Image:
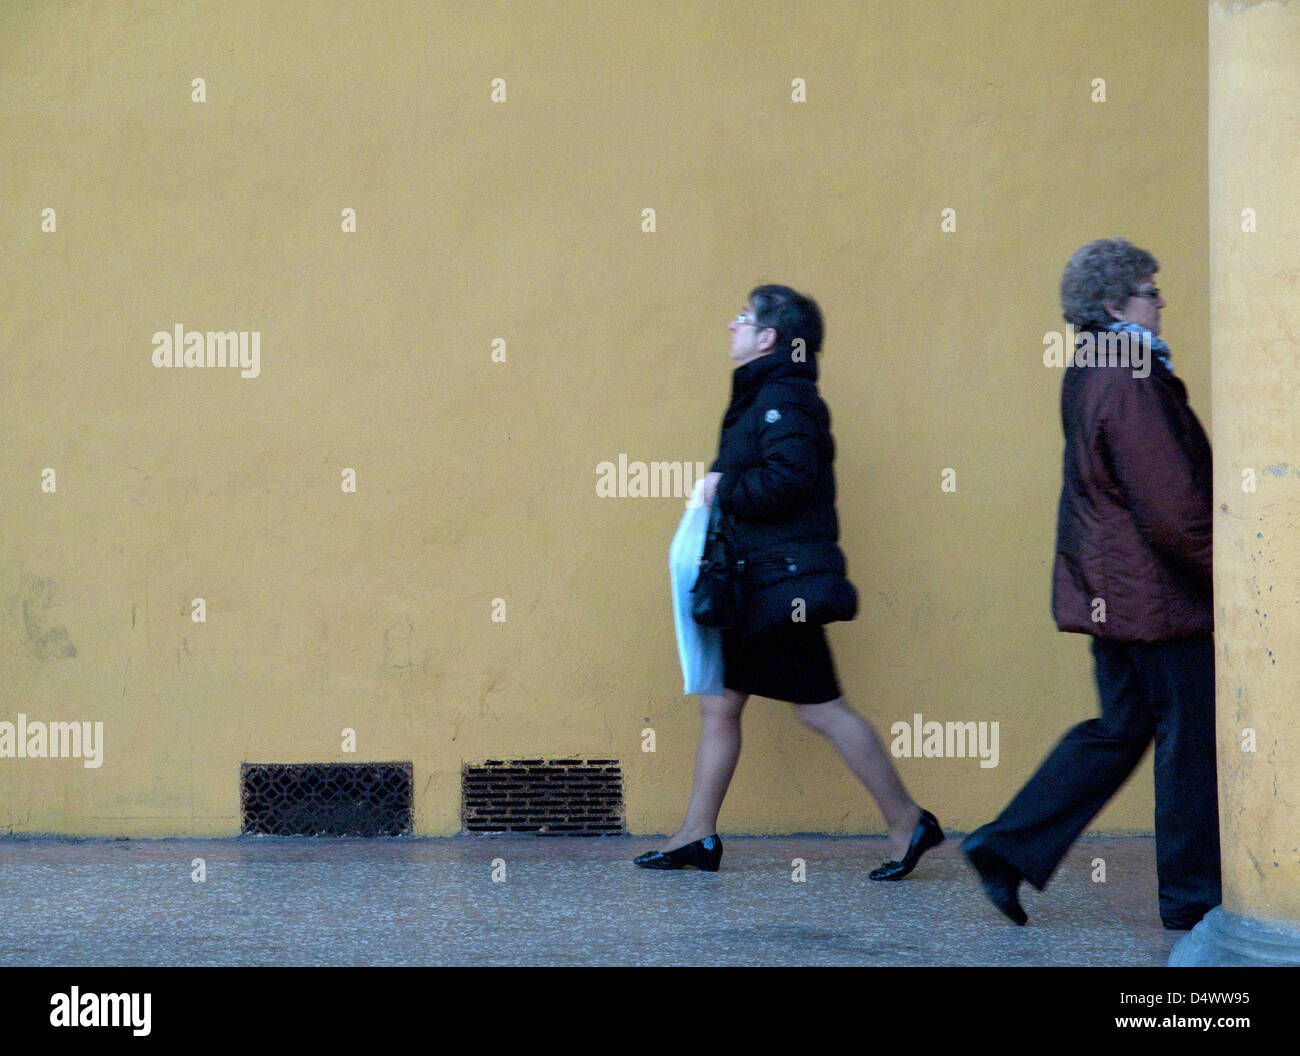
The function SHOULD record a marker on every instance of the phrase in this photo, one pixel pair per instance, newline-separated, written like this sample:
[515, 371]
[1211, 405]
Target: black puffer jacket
[778, 486]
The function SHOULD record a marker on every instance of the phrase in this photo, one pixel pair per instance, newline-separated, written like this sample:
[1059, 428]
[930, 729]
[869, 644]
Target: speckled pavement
[563, 901]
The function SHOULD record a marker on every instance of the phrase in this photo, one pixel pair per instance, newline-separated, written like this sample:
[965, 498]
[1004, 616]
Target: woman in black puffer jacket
[773, 479]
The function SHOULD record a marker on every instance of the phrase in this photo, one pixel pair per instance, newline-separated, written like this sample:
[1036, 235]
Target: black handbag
[718, 597]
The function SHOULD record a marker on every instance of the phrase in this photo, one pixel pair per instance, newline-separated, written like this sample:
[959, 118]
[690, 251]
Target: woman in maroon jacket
[1133, 548]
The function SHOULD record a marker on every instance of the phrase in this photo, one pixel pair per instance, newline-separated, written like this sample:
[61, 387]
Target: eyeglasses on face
[743, 319]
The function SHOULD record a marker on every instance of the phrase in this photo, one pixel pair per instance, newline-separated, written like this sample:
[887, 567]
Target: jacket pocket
[806, 585]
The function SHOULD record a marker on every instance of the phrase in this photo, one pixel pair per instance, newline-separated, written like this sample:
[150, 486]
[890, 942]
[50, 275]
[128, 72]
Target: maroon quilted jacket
[1134, 525]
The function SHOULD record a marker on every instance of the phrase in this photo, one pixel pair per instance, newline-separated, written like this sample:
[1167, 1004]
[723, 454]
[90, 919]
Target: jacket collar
[769, 367]
[747, 379]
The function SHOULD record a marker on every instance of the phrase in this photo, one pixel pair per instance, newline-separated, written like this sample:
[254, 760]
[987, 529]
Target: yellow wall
[476, 480]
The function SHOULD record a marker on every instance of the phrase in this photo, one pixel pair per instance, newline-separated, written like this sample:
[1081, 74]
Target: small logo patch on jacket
[773, 415]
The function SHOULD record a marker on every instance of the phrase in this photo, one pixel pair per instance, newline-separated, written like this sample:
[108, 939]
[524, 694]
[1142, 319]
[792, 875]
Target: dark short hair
[1107, 270]
[791, 314]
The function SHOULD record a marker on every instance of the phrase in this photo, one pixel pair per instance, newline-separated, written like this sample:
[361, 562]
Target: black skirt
[792, 663]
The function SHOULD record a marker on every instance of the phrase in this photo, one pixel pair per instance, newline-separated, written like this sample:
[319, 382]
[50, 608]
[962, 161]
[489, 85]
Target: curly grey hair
[1107, 270]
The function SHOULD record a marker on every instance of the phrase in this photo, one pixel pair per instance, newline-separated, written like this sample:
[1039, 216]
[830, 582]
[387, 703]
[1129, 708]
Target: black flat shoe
[1001, 882]
[703, 854]
[927, 834]
[1185, 921]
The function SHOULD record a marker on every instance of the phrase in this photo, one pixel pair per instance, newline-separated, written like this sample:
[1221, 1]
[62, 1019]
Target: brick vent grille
[562, 797]
[326, 799]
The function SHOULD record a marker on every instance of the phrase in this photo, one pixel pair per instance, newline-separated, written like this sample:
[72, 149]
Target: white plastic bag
[698, 647]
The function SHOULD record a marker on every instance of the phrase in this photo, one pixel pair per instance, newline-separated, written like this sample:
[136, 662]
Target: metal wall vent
[326, 799]
[562, 797]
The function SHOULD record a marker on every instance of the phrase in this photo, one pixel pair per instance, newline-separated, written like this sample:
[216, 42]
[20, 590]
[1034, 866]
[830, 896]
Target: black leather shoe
[703, 854]
[927, 834]
[1001, 882]
[1186, 920]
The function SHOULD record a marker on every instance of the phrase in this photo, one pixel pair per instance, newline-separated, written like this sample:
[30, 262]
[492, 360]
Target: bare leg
[715, 762]
[857, 741]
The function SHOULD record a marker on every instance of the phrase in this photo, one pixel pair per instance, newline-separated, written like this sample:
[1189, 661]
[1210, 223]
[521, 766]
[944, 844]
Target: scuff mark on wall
[46, 642]
[397, 644]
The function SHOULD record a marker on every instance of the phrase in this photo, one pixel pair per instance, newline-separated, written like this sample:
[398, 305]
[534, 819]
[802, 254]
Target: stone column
[1254, 155]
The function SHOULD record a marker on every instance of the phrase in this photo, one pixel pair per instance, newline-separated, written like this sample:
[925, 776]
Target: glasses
[743, 319]
[1152, 294]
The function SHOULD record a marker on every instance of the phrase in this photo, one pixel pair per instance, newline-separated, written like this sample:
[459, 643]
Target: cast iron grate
[326, 799]
[562, 797]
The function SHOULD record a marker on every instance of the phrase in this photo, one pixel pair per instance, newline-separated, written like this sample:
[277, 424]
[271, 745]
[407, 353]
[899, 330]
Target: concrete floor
[564, 901]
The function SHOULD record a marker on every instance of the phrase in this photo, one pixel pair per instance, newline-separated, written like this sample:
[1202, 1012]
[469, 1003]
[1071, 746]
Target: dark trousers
[1160, 689]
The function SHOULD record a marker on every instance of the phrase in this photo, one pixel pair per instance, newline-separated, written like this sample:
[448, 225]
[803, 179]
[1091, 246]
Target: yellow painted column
[1254, 155]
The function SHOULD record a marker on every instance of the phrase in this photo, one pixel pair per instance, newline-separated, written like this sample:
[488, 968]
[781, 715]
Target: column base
[1227, 940]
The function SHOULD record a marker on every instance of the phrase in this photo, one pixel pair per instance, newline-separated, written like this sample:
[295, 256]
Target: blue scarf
[1161, 349]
